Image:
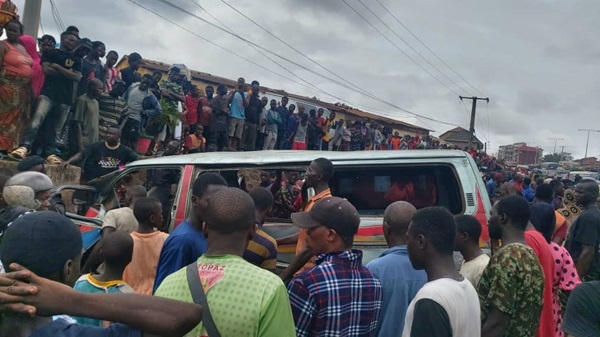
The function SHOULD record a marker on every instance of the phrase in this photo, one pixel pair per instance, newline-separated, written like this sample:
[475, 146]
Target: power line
[399, 49]
[292, 47]
[258, 50]
[288, 60]
[306, 56]
[56, 15]
[308, 84]
[478, 120]
[487, 112]
[382, 113]
[409, 46]
[429, 49]
[480, 125]
[213, 43]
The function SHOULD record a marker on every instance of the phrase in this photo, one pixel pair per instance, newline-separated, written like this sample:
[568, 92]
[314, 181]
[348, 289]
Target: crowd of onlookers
[60, 99]
[214, 274]
[219, 266]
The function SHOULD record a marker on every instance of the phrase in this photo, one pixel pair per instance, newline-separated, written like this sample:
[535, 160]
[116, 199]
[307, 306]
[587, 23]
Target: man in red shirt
[396, 141]
[191, 103]
[518, 182]
[205, 110]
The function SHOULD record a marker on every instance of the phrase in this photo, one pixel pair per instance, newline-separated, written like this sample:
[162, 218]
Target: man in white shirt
[468, 230]
[448, 304]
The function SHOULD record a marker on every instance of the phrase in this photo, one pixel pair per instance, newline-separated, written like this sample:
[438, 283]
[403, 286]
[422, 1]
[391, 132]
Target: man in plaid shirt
[338, 296]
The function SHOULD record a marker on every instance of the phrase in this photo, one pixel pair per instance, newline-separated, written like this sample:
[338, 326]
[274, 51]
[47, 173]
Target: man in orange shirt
[317, 176]
[148, 241]
[396, 141]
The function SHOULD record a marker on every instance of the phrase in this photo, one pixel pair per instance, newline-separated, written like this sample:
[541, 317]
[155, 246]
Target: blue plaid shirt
[337, 297]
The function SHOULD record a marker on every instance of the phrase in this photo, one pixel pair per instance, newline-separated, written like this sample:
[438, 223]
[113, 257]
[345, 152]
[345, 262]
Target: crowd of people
[216, 270]
[216, 273]
[60, 99]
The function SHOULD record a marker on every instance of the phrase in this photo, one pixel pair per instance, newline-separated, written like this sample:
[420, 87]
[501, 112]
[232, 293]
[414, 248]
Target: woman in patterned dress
[15, 86]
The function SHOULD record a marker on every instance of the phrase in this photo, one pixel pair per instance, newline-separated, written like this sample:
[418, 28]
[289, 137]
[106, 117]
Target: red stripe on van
[370, 231]
[186, 182]
[480, 215]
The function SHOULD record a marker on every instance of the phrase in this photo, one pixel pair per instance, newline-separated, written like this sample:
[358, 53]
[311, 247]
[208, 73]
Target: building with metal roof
[459, 137]
[342, 111]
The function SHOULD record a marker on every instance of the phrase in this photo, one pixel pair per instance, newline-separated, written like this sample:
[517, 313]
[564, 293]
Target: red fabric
[298, 146]
[320, 121]
[536, 241]
[205, 112]
[37, 78]
[518, 186]
[192, 142]
[396, 143]
[561, 229]
[191, 103]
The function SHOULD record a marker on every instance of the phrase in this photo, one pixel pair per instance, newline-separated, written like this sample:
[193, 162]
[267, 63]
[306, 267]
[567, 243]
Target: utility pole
[588, 139]
[562, 152]
[555, 140]
[31, 17]
[473, 109]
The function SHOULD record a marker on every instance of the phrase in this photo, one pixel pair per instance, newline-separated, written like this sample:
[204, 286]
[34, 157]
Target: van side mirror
[81, 197]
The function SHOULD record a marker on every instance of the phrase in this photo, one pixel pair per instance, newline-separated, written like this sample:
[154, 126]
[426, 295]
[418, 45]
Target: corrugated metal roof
[458, 135]
[206, 77]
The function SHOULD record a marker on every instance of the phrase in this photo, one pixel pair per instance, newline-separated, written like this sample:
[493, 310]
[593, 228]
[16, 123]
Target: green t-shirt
[244, 299]
[513, 283]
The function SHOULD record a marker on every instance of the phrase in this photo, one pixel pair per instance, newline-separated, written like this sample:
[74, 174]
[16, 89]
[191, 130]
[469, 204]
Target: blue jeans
[50, 118]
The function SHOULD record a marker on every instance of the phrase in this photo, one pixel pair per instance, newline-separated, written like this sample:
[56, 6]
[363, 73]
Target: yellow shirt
[325, 129]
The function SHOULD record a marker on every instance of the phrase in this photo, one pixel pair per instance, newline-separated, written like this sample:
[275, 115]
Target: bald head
[398, 216]
[508, 189]
[586, 192]
[230, 210]
[590, 186]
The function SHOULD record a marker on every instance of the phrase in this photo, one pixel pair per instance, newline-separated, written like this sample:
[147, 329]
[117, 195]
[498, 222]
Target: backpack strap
[199, 297]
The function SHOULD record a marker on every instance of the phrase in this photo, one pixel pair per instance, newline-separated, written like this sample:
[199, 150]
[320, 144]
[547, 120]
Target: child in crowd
[117, 249]
[195, 142]
[148, 241]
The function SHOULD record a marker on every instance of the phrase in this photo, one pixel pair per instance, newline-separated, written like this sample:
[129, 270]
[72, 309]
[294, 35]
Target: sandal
[53, 160]
[19, 153]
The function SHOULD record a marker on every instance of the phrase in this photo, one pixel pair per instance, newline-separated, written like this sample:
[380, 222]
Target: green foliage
[557, 157]
[170, 116]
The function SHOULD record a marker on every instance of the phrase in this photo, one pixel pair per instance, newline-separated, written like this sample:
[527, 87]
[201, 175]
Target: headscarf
[37, 79]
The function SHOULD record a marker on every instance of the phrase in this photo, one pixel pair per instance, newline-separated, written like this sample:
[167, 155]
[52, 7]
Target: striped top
[111, 112]
[262, 250]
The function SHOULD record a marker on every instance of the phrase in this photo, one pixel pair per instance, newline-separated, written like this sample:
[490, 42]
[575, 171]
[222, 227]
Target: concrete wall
[60, 177]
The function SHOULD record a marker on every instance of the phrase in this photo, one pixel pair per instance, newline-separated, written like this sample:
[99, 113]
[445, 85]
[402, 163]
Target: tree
[557, 157]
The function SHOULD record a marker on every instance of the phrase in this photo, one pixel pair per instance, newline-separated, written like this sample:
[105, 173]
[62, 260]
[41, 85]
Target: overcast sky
[537, 61]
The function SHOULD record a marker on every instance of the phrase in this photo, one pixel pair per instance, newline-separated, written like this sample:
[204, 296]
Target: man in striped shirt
[262, 249]
[112, 109]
